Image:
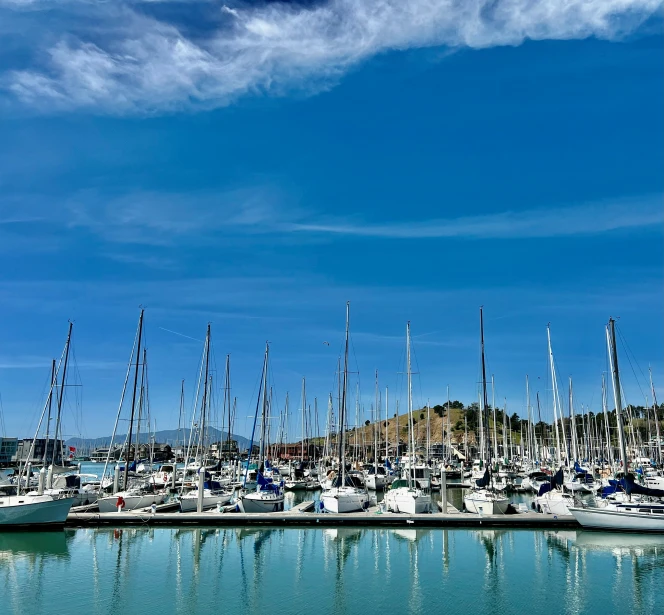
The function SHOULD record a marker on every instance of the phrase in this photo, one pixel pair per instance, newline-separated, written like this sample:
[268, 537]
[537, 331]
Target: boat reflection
[33, 546]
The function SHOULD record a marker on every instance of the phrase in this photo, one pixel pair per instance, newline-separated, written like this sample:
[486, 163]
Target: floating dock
[372, 518]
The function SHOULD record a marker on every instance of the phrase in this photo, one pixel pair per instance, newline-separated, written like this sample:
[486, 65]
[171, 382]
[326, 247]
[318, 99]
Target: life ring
[165, 477]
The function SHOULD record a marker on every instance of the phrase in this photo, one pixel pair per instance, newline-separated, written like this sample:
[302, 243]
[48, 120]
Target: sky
[258, 165]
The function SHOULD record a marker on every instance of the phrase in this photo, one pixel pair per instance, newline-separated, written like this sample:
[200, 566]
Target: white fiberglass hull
[485, 503]
[344, 500]
[189, 502]
[261, 502]
[132, 502]
[409, 501]
[80, 497]
[26, 511]
[554, 503]
[605, 519]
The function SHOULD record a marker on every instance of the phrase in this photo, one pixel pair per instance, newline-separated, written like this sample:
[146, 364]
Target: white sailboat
[481, 499]
[269, 496]
[34, 510]
[131, 496]
[341, 497]
[632, 516]
[405, 496]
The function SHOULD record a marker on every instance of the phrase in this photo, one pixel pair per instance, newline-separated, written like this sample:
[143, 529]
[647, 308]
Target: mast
[484, 391]
[61, 394]
[342, 413]
[495, 426]
[555, 397]
[613, 353]
[386, 423]
[572, 419]
[411, 474]
[304, 405]
[181, 415]
[50, 405]
[227, 401]
[133, 400]
[205, 395]
[377, 419]
[261, 454]
[658, 448]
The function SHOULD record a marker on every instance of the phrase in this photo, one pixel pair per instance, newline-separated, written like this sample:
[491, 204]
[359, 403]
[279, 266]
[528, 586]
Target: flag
[72, 449]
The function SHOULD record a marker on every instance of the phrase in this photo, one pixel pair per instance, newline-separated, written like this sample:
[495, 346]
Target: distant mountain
[166, 436]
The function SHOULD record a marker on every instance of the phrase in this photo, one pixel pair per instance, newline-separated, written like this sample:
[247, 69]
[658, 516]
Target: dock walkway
[373, 518]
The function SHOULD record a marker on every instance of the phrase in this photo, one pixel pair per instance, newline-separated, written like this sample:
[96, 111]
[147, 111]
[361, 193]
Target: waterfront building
[8, 448]
[24, 446]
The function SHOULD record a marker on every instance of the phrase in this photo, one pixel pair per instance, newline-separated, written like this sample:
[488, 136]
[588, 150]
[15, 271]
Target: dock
[372, 518]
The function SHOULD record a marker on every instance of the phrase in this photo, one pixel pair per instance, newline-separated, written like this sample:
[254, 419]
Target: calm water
[328, 571]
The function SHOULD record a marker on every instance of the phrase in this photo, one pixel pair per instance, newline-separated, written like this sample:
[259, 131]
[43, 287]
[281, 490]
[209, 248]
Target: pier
[372, 518]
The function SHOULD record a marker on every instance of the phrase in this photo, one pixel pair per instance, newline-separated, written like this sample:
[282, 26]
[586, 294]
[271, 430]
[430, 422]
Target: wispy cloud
[162, 220]
[551, 222]
[138, 59]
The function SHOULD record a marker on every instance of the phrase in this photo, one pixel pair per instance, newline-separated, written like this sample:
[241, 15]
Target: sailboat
[213, 493]
[38, 508]
[136, 496]
[629, 515]
[342, 496]
[404, 495]
[482, 499]
[376, 477]
[269, 496]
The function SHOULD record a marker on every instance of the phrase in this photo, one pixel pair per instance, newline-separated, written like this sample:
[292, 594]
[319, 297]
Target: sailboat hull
[344, 500]
[409, 501]
[554, 503]
[132, 502]
[27, 511]
[481, 503]
[189, 502]
[601, 518]
[261, 502]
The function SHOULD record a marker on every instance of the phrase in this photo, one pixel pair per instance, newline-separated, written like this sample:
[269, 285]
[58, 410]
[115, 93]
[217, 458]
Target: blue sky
[258, 165]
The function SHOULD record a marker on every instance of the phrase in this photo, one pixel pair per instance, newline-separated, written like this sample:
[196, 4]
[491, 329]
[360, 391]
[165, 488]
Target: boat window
[645, 510]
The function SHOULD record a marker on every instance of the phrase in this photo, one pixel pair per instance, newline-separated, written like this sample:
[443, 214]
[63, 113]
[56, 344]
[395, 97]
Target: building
[8, 448]
[24, 447]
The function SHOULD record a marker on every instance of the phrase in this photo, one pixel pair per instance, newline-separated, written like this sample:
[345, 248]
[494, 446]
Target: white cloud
[585, 219]
[135, 63]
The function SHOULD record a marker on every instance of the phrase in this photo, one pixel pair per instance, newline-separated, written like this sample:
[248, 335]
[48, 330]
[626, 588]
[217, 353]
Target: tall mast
[658, 448]
[572, 418]
[133, 400]
[411, 474]
[227, 402]
[617, 397]
[342, 413]
[484, 391]
[555, 397]
[495, 426]
[376, 427]
[205, 394]
[50, 405]
[181, 413]
[387, 391]
[61, 393]
[304, 405]
[261, 454]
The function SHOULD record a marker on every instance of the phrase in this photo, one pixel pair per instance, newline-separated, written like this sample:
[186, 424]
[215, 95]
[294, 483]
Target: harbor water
[330, 571]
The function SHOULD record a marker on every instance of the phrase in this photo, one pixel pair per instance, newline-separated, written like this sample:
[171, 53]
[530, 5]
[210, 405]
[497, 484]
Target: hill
[166, 436]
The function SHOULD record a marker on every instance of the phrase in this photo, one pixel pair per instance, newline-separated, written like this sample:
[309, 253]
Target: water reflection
[332, 570]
